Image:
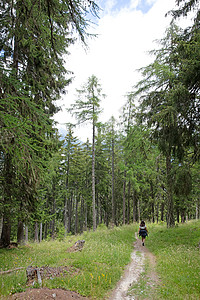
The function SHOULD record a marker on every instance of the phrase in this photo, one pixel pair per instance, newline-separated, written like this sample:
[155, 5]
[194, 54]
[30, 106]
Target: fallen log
[10, 271]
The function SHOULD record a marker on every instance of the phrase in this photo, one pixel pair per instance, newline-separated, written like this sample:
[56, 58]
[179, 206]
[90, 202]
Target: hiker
[143, 232]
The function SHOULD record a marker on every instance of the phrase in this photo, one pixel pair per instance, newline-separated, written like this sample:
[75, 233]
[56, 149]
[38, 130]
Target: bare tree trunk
[86, 212]
[170, 200]
[124, 198]
[20, 232]
[97, 208]
[128, 206]
[1, 225]
[93, 175]
[6, 231]
[162, 210]
[53, 220]
[26, 234]
[41, 232]
[134, 207]
[113, 181]
[152, 203]
[138, 209]
[36, 232]
[69, 215]
[82, 214]
[65, 216]
[76, 215]
[157, 211]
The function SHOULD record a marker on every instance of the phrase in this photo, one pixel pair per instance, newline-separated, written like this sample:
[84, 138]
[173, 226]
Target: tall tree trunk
[170, 200]
[36, 232]
[93, 175]
[134, 207]
[1, 225]
[65, 216]
[138, 209]
[26, 234]
[162, 210]
[20, 232]
[82, 214]
[6, 231]
[41, 232]
[113, 181]
[86, 213]
[152, 203]
[76, 215]
[69, 215]
[53, 220]
[128, 206]
[124, 198]
[7, 199]
[97, 208]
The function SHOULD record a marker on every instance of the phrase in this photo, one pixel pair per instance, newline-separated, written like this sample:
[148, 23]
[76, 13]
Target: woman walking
[143, 232]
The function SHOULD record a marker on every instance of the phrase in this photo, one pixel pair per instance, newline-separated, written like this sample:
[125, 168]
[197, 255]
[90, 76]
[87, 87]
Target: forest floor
[123, 290]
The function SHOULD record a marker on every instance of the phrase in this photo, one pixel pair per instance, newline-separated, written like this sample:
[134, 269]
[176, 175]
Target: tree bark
[1, 225]
[124, 198]
[138, 209]
[6, 231]
[128, 206]
[41, 232]
[65, 216]
[170, 200]
[93, 174]
[36, 232]
[20, 233]
[26, 234]
[152, 203]
[76, 215]
[69, 215]
[134, 207]
[113, 180]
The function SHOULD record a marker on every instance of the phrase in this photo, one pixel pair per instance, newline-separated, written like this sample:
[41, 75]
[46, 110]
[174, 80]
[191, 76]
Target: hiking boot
[142, 244]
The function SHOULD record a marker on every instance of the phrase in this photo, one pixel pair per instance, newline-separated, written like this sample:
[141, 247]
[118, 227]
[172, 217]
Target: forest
[145, 166]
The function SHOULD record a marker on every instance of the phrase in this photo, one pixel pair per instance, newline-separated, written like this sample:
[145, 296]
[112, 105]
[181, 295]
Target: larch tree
[159, 110]
[87, 108]
[34, 36]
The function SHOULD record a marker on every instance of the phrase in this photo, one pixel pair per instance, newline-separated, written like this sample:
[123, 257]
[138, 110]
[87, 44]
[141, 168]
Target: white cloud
[121, 48]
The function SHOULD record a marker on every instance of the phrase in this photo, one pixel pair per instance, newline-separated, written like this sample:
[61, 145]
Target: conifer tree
[87, 108]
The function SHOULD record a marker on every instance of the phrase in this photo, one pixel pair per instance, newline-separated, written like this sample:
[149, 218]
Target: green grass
[178, 260]
[96, 269]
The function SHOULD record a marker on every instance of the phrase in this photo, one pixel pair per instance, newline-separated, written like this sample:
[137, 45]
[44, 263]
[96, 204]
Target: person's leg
[143, 239]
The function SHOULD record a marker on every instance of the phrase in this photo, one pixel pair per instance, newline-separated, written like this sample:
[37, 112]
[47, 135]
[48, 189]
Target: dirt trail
[134, 270]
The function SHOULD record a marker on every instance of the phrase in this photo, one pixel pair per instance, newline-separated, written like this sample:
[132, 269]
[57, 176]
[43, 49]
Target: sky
[127, 30]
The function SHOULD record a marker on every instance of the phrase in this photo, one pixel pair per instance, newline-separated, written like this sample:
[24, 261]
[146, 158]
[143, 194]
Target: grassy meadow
[178, 260]
[93, 271]
[97, 268]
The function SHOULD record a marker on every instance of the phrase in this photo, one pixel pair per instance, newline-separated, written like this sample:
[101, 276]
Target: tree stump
[78, 246]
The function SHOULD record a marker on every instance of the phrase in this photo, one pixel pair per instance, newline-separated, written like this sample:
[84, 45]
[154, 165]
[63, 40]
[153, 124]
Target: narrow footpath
[134, 270]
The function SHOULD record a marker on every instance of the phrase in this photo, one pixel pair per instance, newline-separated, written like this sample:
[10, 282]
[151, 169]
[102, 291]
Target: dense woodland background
[144, 167]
